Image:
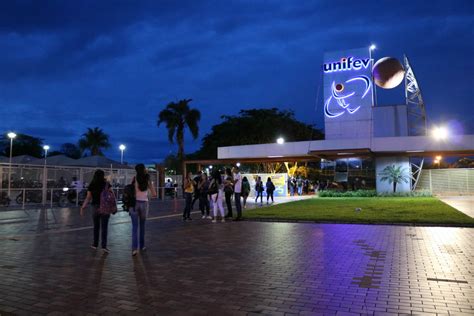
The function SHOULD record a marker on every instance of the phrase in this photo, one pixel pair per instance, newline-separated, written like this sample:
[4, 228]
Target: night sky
[69, 65]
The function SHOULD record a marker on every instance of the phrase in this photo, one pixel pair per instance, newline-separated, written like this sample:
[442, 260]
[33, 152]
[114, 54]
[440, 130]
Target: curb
[275, 220]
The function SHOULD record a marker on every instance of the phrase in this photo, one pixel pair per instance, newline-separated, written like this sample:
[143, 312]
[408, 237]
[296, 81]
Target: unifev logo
[346, 64]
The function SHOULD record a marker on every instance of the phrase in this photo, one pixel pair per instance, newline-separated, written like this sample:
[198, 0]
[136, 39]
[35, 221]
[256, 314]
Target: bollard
[24, 197]
[52, 190]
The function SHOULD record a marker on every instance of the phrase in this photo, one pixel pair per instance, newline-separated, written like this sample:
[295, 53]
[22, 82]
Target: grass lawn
[422, 210]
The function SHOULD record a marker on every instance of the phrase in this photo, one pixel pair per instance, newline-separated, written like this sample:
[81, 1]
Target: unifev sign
[346, 63]
[347, 94]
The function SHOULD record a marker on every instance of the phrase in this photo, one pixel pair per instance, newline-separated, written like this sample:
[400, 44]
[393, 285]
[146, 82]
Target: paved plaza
[232, 268]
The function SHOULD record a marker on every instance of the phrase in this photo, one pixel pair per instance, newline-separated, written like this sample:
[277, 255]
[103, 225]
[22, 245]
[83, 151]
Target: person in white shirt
[238, 192]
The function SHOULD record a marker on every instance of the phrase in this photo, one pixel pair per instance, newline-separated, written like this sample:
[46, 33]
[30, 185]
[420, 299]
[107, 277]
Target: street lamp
[440, 133]
[372, 47]
[238, 164]
[280, 140]
[46, 148]
[122, 148]
[10, 135]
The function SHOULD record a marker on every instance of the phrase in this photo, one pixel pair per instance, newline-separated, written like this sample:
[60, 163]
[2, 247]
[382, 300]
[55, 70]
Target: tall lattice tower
[415, 105]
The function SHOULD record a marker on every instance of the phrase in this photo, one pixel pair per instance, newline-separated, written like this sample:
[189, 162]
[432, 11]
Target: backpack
[128, 197]
[213, 188]
[108, 204]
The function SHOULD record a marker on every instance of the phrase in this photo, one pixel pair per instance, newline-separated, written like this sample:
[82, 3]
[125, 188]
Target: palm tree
[394, 174]
[178, 116]
[94, 140]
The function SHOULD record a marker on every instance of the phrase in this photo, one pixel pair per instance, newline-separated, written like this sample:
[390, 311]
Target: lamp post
[374, 93]
[46, 148]
[10, 135]
[280, 141]
[122, 147]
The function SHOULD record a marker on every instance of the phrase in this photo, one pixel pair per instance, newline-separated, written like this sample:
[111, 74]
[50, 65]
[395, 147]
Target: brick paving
[232, 268]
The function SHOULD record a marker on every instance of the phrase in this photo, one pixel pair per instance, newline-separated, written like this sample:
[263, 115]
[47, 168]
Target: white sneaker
[223, 220]
[203, 217]
[214, 221]
[209, 217]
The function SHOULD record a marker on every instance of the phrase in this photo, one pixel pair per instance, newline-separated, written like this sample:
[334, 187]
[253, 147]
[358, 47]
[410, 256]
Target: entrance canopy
[419, 146]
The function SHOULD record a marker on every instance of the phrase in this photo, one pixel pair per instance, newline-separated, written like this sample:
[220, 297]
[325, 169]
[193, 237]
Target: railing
[66, 197]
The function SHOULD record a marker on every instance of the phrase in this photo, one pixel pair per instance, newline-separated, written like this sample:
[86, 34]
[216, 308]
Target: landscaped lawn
[426, 210]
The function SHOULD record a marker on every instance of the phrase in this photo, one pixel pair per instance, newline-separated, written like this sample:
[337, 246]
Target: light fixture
[238, 164]
[280, 140]
[440, 133]
[11, 135]
[122, 147]
[438, 157]
[372, 47]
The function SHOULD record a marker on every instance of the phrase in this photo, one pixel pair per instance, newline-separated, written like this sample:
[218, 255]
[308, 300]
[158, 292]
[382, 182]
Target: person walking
[238, 192]
[229, 191]
[188, 195]
[100, 218]
[139, 212]
[299, 184]
[291, 186]
[216, 190]
[270, 189]
[245, 190]
[203, 188]
[259, 190]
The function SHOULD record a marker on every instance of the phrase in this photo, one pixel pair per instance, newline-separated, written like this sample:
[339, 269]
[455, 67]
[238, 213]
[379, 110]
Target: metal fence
[32, 184]
[447, 181]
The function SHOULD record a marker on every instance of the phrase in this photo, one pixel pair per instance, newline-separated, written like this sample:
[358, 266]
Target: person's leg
[104, 226]
[142, 221]
[96, 221]
[238, 206]
[261, 197]
[272, 197]
[214, 206]
[207, 206]
[228, 203]
[187, 199]
[201, 205]
[268, 196]
[220, 204]
[134, 218]
[245, 200]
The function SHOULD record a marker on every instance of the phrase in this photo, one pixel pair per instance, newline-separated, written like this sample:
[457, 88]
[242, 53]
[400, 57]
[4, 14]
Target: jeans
[204, 204]
[300, 190]
[188, 197]
[269, 195]
[138, 215]
[228, 202]
[217, 203]
[238, 206]
[101, 222]
[259, 194]
[292, 191]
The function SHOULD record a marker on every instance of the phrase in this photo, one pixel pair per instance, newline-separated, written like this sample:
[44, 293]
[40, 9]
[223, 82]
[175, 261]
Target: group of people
[97, 193]
[211, 192]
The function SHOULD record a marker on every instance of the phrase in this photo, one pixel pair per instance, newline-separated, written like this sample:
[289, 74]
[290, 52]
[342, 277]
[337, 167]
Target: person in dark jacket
[270, 189]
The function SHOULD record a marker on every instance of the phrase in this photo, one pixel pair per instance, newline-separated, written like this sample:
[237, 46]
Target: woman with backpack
[228, 191]
[245, 190]
[259, 190]
[102, 200]
[270, 189]
[216, 191]
[139, 212]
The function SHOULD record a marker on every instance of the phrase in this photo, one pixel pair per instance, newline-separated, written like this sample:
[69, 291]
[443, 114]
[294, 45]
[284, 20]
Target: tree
[94, 140]
[171, 163]
[255, 126]
[71, 150]
[176, 117]
[22, 145]
[394, 174]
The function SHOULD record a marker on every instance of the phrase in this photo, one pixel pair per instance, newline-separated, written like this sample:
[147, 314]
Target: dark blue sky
[69, 65]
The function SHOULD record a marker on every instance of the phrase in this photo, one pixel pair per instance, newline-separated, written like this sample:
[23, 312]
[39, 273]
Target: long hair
[99, 178]
[142, 177]
[216, 174]
[228, 172]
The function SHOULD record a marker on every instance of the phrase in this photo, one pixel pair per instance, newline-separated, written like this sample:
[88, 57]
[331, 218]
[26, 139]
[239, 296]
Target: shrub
[373, 193]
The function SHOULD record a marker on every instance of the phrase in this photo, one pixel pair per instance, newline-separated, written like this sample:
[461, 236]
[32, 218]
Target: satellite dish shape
[388, 73]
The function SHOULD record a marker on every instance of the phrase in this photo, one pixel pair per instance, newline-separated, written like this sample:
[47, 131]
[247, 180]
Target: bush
[373, 193]
[358, 193]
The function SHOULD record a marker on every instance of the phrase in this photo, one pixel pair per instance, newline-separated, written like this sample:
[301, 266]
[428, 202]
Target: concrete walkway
[463, 204]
